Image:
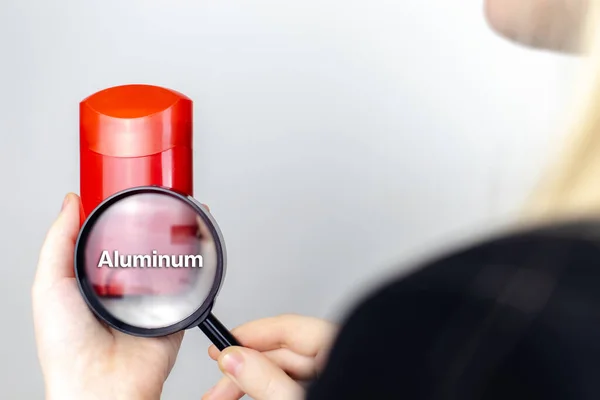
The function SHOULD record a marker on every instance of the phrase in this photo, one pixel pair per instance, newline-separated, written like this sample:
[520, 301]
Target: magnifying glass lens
[150, 260]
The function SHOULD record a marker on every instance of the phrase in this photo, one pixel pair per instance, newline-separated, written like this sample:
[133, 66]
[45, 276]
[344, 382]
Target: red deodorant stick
[134, 135]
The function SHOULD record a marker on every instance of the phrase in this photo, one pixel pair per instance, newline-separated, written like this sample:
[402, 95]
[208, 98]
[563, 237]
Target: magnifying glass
[150, 259]
[150, 262]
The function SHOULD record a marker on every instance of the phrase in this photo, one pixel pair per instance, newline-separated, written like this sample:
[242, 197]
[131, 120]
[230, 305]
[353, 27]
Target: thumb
[257, 376]
[56, 256]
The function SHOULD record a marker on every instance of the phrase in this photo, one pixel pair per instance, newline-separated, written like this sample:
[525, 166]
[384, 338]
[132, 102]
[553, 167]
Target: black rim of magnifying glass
[202, 317]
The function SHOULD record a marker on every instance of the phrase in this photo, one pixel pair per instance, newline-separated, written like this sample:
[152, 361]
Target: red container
[131, 136]
[134, 135]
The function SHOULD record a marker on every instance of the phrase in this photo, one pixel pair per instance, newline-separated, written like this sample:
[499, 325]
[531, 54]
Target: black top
[516, 317]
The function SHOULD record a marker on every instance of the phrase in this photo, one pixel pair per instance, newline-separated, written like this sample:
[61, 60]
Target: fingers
[303, 335]
[295, 344]
[56, 256]
[254, 374]
[298, 367]
[551, 24]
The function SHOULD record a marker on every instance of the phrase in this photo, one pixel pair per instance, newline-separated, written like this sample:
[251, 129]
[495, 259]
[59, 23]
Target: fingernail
[232, 362]
[65, 202]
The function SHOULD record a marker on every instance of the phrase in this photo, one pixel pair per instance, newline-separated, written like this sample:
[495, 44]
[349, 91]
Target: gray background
[334, 139]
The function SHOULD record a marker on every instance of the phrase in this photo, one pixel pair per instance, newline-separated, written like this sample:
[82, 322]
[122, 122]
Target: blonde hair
[571, 189]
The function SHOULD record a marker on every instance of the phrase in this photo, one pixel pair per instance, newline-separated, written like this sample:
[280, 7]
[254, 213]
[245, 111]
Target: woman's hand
[550, 24]
[278, 353]
[82, 358]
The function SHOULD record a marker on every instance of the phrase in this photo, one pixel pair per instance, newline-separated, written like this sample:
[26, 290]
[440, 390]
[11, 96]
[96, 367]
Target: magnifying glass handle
[217, 333]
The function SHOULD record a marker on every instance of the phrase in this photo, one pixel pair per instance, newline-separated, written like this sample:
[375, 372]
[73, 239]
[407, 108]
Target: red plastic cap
[135, 121]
